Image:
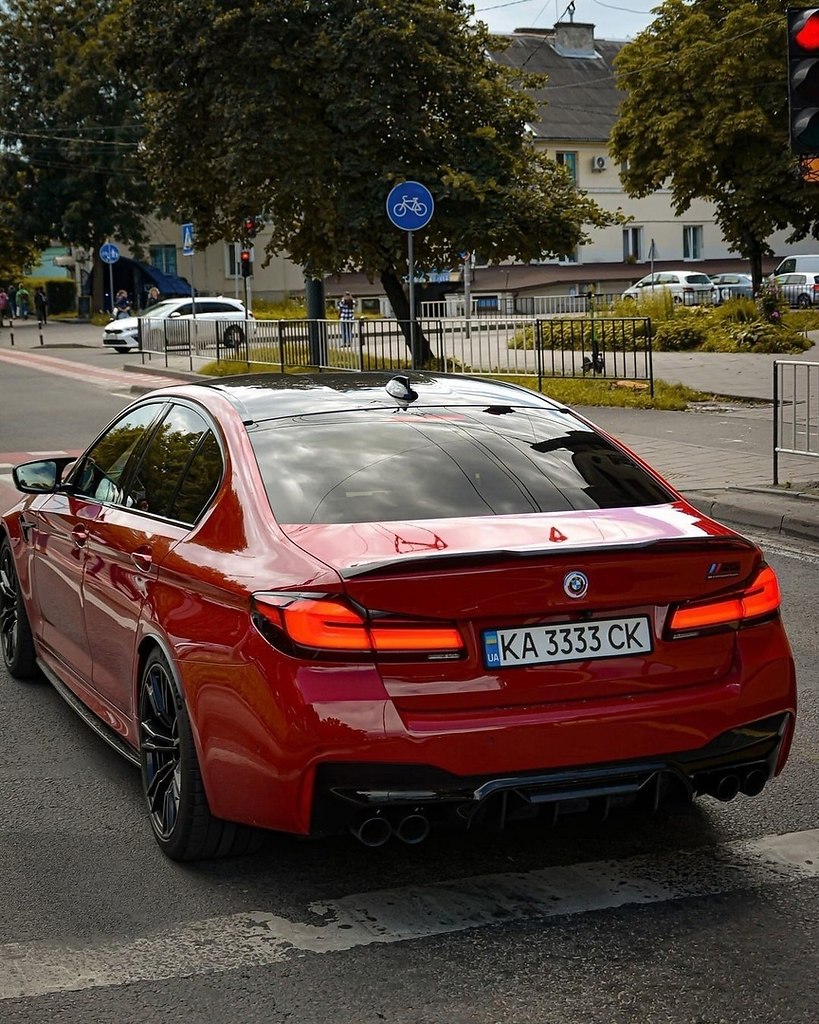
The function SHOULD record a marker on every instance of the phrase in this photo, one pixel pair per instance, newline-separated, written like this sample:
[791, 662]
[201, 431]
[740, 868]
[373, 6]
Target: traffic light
[247, 266]
[251, 227]
[803, 79]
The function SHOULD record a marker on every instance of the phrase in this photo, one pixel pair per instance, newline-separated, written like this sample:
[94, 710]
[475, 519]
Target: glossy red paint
[266, 718]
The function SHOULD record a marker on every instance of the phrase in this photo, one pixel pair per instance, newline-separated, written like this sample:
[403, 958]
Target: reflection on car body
[305, 604]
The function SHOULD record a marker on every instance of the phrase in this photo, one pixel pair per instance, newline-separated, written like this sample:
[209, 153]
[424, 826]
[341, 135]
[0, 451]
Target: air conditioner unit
[599, 163]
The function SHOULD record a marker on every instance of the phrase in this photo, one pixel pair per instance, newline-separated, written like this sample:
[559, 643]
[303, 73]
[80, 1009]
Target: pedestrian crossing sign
[187, 239]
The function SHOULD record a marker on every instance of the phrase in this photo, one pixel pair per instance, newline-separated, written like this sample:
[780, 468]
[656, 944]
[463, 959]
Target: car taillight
[758, 600]
[331, 625]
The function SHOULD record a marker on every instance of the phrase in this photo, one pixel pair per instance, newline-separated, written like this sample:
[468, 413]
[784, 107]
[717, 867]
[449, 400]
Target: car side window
[199, 483]
[103, 473]
[163, 478]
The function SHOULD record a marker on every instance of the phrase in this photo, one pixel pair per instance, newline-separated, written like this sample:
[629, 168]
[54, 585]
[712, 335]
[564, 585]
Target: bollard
[40, 329]
[11, 335]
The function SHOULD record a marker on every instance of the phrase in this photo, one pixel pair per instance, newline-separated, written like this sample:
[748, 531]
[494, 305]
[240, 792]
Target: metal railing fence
[796, 410]
[617, 348]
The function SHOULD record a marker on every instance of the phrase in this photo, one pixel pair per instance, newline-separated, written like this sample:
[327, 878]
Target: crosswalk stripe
[258, 939]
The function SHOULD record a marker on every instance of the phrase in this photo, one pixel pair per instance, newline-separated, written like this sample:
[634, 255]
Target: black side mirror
[41, 477]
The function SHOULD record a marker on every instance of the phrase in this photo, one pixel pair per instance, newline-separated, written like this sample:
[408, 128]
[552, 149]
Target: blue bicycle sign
[410, 205]
[109, 253]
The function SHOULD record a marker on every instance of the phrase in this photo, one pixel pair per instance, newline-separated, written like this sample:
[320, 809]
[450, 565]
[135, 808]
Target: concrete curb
[791, 514]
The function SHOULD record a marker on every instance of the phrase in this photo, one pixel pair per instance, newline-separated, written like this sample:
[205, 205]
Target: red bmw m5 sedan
[379, 604]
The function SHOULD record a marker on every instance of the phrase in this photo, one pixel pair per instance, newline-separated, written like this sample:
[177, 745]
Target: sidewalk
[719, 455]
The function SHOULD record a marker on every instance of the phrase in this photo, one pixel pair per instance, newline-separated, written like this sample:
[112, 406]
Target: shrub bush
[681, 334]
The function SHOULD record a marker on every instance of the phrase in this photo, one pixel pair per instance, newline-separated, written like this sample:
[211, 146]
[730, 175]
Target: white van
[798, 265]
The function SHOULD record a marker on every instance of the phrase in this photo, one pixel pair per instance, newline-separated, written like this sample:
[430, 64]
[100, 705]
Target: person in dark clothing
[41, 304]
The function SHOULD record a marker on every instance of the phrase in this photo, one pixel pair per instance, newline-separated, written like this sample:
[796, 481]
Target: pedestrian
[12, 301]
[346, 314]
[41, 304]
[153, 296]
[122, 305]
[22, 301]
[5, 309]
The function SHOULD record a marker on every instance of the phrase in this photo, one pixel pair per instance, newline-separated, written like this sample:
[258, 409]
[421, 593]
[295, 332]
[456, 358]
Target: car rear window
[697, 279]
[369, 466]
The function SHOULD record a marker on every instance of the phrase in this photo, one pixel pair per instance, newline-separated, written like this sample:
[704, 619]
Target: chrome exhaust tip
[372, 831]
[413, 829]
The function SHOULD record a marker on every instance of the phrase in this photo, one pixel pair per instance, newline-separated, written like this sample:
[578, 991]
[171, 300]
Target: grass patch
[607, 392]
[601, 392]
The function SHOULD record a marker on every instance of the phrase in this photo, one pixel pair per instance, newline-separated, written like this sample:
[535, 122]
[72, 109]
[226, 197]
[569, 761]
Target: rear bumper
[741, 759]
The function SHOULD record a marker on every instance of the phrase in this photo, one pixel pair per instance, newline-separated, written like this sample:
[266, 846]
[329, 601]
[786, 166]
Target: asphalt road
[697, 915]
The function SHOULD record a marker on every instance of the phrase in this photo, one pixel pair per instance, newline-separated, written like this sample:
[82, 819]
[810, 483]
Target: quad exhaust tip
[375, 830]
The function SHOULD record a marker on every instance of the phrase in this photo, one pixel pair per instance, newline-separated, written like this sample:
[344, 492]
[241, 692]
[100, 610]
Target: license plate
[569, 641]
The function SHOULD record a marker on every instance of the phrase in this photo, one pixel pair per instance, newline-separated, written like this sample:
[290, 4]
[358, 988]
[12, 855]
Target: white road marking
[259, 939]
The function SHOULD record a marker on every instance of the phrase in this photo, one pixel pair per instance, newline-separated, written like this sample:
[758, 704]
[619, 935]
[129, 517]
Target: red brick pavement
[106, 378]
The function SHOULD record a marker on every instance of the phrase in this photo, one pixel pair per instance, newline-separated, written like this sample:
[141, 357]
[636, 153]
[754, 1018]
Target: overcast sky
[613, 19]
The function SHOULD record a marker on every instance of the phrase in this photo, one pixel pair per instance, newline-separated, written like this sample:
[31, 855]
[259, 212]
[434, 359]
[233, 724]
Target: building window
[163, 257]
[569, 257]
[692, 242]
[569, 161]
[632, 245]
[233, 260]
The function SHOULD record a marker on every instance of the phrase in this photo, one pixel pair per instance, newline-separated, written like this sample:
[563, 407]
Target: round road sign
[410, 206]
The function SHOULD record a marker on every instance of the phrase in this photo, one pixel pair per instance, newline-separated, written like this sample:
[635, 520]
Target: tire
[803, 301]
[122, 351]
[233, 336]
[172, 783]
[15, 631]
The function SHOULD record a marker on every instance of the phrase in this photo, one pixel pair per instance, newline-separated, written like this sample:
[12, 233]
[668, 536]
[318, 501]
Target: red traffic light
[250, 227]
[804, 30]
[803, 79]
[244, 259]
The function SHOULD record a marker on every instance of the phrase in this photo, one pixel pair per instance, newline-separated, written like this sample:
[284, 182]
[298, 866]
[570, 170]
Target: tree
[706, 113]
[69, 162]
[311, 111]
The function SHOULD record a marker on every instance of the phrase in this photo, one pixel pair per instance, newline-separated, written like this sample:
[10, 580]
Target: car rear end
[569, 634]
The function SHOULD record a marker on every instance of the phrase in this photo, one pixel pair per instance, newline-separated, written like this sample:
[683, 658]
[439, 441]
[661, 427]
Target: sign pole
[410, 206]
[111, 286]
[411, 266]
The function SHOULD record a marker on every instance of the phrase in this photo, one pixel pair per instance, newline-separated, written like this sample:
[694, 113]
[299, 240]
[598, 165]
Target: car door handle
[142, 559]
[80, 536]
[26, 526]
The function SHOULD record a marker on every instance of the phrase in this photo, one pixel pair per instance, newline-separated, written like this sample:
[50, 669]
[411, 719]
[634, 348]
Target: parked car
[805, 264]
[685, 286]
[384, 603]
[800, 290]
[157, 323]
[732, 286]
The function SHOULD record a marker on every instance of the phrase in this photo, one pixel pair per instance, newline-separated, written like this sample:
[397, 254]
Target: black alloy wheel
[15, 632]
[803, 301]
[172, 782]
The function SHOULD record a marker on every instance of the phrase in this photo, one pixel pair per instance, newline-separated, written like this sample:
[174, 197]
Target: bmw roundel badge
[576, 583]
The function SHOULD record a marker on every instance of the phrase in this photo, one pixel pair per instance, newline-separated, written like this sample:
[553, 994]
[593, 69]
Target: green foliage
[760, 336]
[770, 301]
[657, 306]
[735, 326]
[70, 131]
[355, 98]
[706, 115]
[680, 334]
[736, 310]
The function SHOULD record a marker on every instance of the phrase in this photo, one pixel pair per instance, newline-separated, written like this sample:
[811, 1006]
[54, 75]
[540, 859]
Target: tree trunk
[753, 250]
[400, 303]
